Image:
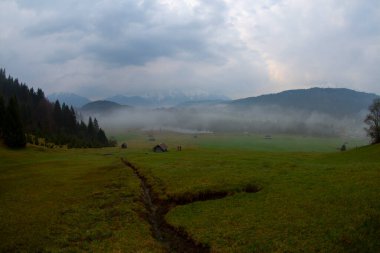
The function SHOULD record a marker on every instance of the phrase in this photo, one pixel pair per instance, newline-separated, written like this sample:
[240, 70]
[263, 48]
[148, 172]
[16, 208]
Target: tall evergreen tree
[101, 137]
[57, 114]
[14, 135]
[90, 128]
[96, 126]
[2, 115]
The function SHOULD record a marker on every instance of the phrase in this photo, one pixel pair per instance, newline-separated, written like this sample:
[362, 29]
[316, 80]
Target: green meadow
[76, 200]
[242, 141]
[311, 198]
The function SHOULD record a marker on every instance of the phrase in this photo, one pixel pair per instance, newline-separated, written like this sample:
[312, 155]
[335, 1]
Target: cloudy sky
[238, 48]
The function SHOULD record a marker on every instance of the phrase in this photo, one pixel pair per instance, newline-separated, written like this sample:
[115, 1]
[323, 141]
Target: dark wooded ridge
[26, 112]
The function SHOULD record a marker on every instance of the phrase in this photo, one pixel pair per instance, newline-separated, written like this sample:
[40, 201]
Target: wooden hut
[160, 148]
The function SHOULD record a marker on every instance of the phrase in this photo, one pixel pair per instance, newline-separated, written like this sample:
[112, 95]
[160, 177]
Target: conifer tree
[96, 126]
[14, 135]
[57, 115]
[2, 115]
[101, 137]
[90, 128]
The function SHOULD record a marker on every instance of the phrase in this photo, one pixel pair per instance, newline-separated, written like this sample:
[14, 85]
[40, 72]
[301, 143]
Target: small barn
[160, 148]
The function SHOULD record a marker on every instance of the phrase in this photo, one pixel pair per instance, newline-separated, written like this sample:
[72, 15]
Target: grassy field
[242, 141]
[70, 201]
[312, 198]
[309, 201]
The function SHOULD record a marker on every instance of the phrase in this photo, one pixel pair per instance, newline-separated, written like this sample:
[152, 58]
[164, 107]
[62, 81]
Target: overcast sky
[238, 48]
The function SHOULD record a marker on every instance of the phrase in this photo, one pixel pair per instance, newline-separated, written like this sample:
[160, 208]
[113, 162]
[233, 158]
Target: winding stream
[175, 240]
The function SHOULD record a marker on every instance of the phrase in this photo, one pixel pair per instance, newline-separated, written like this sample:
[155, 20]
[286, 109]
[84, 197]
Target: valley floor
[223, 199]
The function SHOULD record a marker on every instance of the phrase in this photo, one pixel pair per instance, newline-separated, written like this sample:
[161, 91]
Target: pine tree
[96, 126]
[90, 128]
[2, 115]
[14, 135]
[73, 121]
[101, 137]
[57, 116]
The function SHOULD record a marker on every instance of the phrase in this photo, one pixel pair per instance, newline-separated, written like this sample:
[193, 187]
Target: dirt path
[175, 240]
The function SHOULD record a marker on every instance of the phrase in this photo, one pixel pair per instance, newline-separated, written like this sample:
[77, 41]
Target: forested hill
[333, 101]
[102, 106]
[27, 115]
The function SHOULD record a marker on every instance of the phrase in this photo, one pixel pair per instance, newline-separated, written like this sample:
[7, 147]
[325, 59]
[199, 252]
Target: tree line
[26, 115]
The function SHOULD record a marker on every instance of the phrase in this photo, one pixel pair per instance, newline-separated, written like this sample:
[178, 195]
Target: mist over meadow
[222, 118]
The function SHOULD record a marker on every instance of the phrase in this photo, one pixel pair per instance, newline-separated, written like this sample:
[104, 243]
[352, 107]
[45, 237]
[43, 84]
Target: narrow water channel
[155, 211]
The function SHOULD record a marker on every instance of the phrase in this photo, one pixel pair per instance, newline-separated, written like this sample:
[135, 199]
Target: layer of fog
[262, 120]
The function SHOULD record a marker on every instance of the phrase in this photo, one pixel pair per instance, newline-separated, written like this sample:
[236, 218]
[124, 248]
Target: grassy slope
[70, 200]
[309, 201]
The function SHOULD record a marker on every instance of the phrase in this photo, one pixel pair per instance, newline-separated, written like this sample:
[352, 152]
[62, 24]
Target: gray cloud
[239, 48]
[140, 47]
[141, 35]
[125, 33]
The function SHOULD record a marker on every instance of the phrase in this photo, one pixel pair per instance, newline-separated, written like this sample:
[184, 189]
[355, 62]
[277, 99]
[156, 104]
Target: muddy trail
[174, 239]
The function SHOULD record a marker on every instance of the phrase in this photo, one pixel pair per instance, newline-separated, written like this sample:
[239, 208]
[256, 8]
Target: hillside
[333, 101]
[102, 106]
[131, 101]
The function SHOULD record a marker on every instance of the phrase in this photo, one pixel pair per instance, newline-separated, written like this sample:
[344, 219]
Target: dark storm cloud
[126, 33]
[140, 47]
[135, 37]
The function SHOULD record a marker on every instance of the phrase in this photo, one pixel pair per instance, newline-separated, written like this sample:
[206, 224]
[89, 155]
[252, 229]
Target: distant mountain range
[332, 101]
[166, 100]
[70, 99]
[132, 101]
[315, 111]
[202, 103]
[150, 101]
